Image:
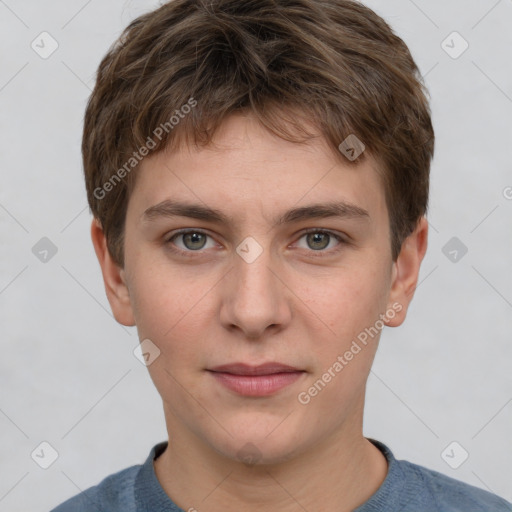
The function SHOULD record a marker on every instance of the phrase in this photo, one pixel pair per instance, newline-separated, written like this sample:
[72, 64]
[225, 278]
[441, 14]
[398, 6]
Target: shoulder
[114, 493]
[410, 487]
[448, 494]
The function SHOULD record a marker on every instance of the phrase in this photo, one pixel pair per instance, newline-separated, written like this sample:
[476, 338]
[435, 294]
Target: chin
[253, 446]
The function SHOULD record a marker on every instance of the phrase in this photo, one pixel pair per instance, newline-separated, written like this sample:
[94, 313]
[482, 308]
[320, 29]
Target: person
[258, 174]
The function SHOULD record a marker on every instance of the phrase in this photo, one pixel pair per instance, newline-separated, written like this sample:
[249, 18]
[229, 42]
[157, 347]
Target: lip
[261, 369]
[261, 380]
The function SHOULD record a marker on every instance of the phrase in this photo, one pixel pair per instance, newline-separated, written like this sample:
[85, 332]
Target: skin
[209, 306]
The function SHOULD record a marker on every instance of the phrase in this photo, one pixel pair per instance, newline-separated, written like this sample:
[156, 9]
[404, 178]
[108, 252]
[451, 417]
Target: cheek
[344, 354]
[172, 310]
[173, 313]
[348, 301]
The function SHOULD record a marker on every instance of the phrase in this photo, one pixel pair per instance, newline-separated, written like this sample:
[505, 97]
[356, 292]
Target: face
[259, 251]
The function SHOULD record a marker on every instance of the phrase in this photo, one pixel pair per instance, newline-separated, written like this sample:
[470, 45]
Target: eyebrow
[172, 208]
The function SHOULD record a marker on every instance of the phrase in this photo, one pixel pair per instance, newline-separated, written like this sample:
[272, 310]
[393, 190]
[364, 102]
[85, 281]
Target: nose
[255, 299]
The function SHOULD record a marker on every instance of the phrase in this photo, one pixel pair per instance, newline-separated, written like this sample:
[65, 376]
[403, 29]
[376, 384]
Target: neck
[339, 473]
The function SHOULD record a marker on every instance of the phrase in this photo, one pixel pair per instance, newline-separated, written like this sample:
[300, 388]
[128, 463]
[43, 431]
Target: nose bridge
[256, 277]
[254, 298]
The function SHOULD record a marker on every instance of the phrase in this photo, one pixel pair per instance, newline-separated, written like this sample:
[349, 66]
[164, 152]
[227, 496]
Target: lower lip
[256, 385]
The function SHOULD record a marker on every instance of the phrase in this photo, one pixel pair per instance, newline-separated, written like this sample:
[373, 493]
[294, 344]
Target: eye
[319, 240]
[192, 240]
[195, 240]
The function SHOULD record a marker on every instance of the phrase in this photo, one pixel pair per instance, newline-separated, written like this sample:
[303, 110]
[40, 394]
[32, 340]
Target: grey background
[68, 373]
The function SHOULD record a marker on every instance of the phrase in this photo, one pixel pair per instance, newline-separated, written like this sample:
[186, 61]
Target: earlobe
[406, 271]
[113, 278]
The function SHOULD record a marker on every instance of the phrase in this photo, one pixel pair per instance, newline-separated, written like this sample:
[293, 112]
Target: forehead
[247, 168]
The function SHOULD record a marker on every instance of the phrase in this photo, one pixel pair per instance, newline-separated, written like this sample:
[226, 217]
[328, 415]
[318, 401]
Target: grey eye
[318, 241]
[194, 240]
[189, 241]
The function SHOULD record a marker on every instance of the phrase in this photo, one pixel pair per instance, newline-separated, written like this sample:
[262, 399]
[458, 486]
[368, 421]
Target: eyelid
[339, 236]
[183, 231]
[176, 233]
[342, 239]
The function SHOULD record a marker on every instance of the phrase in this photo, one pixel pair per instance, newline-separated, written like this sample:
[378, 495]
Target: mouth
[262, 380]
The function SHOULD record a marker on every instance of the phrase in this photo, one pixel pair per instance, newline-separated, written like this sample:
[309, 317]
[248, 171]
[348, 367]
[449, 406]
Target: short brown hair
[334, 62]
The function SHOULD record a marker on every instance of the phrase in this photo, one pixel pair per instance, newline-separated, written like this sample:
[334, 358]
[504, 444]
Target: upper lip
[247, 369]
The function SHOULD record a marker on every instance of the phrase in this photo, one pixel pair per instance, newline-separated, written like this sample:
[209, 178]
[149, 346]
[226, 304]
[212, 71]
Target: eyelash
[316, 254]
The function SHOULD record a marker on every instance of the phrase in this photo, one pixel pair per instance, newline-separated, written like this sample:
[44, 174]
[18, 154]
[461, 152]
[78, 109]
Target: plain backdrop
[68, 374]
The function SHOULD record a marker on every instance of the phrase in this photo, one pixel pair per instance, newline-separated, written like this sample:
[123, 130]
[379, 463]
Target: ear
[113, 277]
[405, 272]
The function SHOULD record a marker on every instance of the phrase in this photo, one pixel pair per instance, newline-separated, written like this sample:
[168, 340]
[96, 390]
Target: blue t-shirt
[407, 488]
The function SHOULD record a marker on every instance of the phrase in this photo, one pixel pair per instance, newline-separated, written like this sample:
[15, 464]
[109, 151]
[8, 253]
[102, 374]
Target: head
[243, 113]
